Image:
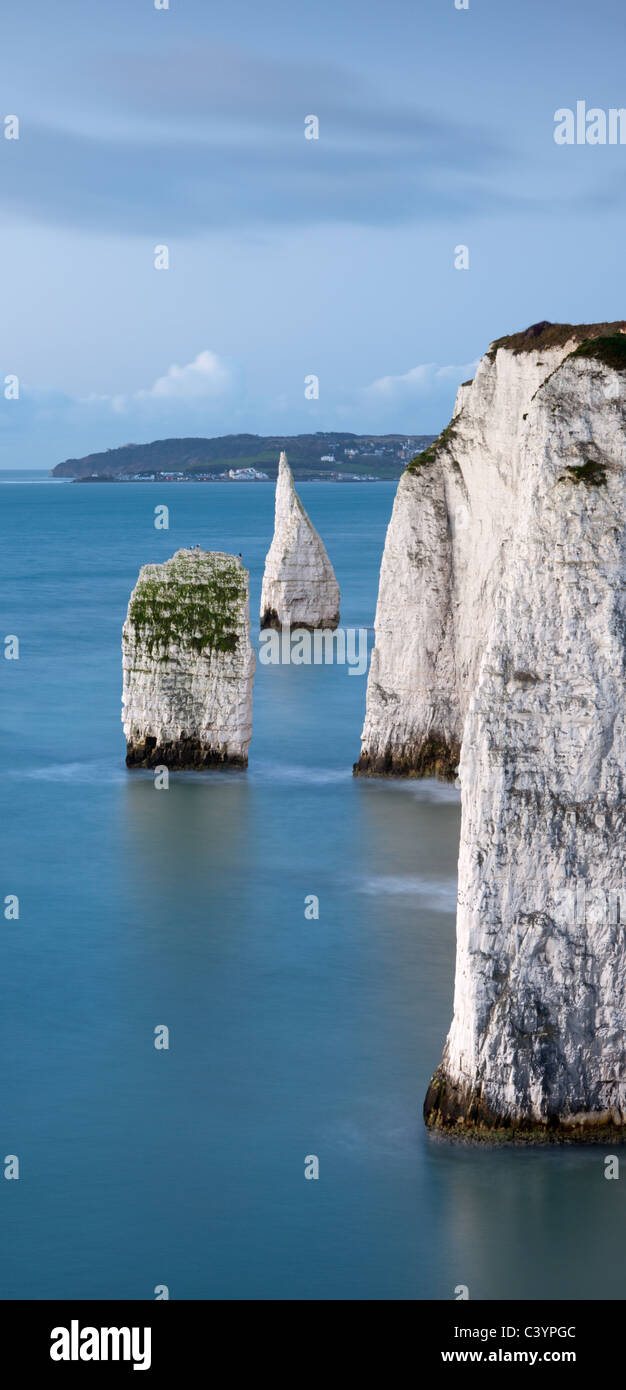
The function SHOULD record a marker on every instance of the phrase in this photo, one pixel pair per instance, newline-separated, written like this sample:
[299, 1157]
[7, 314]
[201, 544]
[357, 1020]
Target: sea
[297, 1043]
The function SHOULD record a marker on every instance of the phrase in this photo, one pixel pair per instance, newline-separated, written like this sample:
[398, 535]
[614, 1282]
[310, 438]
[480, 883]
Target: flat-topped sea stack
[299, 585]
[188, 663]
[448, 541]
[520, 510]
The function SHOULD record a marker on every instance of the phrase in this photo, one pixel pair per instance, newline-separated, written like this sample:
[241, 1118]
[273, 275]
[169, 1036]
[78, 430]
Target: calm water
[288, 1037]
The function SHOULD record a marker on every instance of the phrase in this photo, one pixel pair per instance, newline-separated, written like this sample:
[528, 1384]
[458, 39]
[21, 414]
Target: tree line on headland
[321, 455]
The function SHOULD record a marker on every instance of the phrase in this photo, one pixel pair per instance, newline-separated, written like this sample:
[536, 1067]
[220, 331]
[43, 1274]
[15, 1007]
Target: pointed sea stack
[188, 664]
[299, 585]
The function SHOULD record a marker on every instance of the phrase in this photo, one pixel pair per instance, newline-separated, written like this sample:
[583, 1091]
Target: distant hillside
[384, 456]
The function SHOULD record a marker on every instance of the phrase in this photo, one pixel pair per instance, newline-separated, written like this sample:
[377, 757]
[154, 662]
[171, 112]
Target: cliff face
[447, 546]
[537, 1046]
[299, 585]
[188, 665]
[501, 640]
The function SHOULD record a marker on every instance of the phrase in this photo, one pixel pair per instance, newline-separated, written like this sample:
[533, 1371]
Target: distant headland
[337, 457]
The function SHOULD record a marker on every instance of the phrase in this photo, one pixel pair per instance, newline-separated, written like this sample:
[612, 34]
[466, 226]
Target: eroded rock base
[434, 758]
[270, 619]
[458, 1112]
[184, 753]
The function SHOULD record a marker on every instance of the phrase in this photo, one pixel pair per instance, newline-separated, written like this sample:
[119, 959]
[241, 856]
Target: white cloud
[426, 380]
[207, 375]
[208, 378]
[209, 396]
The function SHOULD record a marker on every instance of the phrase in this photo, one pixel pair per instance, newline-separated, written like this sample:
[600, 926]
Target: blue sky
[185, 127]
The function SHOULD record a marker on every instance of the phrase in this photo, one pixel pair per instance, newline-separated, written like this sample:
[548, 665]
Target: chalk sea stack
[188, 663]
[299, 585]
[509, 543]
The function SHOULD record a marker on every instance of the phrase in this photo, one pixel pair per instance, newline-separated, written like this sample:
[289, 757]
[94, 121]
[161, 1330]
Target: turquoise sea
[289, 1037]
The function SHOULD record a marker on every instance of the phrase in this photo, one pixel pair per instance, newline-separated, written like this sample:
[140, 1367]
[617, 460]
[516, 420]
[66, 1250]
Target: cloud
[208, 396]
[426, 380]
[202, 397]
[206, 379]
[246, 91]
[180, 186]
[418, 401]
[200, 140]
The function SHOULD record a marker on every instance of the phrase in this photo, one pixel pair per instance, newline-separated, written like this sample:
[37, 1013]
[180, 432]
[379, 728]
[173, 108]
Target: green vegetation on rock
[610, 349]
[431, 454]
[549, 335]
[193, 600]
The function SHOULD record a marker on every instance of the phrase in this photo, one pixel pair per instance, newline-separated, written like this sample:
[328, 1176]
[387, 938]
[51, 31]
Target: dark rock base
[457, 1112]
[270, 619]
[433, 758]
[185, 753]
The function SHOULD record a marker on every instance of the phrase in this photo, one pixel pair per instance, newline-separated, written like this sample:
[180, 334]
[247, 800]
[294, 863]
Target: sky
[184, 127]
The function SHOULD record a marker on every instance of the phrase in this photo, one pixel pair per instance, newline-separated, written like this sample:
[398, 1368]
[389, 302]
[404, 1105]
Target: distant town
[234, 475]
[339, 457]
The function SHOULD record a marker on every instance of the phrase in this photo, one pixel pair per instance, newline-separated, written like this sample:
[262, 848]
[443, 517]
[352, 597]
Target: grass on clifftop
[190, 601]
[610, 349]
[549, 335]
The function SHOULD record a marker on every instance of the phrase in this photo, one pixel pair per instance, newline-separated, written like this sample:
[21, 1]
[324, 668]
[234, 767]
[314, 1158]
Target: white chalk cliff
[509, 545]
[188, 663]
[299, 585]
[448, 540]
